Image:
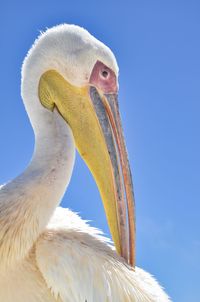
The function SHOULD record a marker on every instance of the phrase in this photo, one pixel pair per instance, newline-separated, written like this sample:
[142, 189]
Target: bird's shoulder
[79, 264]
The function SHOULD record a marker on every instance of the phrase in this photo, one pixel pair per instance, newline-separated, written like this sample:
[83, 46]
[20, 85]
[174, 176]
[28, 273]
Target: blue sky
[157, 46]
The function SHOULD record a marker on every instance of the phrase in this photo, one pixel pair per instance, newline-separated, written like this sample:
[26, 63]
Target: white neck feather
[27, 202]
[53, 158]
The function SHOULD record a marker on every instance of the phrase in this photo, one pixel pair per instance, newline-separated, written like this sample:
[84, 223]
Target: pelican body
[47, 253]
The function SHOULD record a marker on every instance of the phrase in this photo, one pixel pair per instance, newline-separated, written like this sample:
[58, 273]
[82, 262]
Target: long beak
[107, 110]
[96, 126]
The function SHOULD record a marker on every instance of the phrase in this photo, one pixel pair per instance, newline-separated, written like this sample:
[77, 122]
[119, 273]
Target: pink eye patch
[103, 78]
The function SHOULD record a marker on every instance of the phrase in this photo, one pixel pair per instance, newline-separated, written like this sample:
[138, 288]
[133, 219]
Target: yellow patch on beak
[75, 106]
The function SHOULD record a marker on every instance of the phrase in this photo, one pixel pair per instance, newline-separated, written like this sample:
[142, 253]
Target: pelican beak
[95, 122]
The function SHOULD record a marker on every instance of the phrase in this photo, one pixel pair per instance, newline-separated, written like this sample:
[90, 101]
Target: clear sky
[157, 46]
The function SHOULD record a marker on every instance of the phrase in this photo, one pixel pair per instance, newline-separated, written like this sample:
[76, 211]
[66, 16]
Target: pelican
[47, 253]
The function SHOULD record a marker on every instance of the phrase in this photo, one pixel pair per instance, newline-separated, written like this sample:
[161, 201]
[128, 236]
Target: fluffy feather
[79, 264]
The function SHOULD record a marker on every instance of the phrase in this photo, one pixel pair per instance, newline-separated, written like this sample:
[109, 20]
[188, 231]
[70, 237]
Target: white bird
[47, 253]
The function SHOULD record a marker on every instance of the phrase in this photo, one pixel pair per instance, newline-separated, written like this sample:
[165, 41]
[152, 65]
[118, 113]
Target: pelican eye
[105, 74]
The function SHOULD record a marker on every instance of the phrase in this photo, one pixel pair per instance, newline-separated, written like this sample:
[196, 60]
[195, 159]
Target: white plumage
[49, 254]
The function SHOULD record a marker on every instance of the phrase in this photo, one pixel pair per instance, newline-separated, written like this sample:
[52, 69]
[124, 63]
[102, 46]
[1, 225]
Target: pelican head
[70, 71]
